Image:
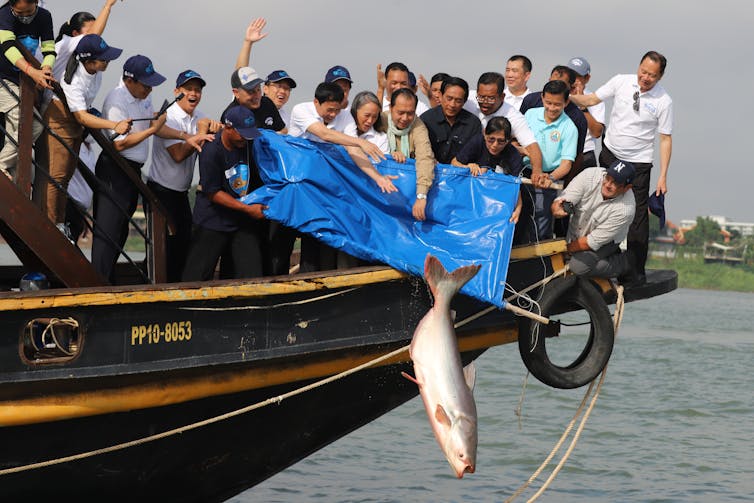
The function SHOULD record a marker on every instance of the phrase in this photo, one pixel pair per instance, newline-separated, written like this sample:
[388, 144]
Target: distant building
[744, 228]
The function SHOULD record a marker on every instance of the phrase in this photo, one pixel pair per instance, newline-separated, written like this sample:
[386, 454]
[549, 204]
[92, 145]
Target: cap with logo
[94, 47]
[580, 66]
[279, 75]
[141, 69]
[337, 73]
[187, 75]
[245, 78]
[622, 172]
[242, 120]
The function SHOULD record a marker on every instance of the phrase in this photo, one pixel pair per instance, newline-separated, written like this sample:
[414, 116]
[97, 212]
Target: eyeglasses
[496, 141]
[636, 101]
[486, 99]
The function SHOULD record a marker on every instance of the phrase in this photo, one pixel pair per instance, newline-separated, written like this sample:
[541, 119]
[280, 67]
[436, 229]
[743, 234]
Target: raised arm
[99, 24]
[253, 34]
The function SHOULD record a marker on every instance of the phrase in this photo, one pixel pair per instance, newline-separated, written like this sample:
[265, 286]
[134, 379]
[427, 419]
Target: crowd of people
[548, 137]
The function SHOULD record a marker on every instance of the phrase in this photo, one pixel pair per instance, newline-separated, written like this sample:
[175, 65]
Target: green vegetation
[694, 273]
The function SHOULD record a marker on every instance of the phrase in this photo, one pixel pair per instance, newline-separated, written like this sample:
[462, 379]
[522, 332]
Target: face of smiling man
[192, 95]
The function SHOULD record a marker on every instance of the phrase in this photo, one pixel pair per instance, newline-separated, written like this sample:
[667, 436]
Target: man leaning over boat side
[223, 225]
[173, 160]
[642, 110]
[601, 204]
[128, 100]
[408, 138]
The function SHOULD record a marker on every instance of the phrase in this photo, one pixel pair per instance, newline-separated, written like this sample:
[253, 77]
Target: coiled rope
[617, 318]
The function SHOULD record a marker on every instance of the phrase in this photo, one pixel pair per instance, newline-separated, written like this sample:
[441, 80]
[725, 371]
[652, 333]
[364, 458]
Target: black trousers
[280, 246]
[177, 205]
[111, 215]
[242, 247]
[638, 233]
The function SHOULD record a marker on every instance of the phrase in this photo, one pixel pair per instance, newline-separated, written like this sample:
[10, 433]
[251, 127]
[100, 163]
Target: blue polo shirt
[556, 140]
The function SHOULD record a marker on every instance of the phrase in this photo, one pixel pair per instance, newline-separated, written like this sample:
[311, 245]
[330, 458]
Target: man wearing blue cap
[341, 76]
[601, 204]
[174, 153]
[277, 88]
[223, 225]
[129, 100]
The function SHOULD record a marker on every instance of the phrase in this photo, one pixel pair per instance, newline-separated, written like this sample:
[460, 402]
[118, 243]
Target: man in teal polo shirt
[557, 137]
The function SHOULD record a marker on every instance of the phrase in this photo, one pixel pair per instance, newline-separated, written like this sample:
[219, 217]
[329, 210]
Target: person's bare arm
[99, 24]
[585, 100]
[253, 34]
[221, 198]
[666, 150]
[138, 137]
[92, 121]
[329, 135]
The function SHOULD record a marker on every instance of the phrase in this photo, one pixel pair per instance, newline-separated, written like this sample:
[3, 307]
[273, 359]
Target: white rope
[273, 306]
[617, 318]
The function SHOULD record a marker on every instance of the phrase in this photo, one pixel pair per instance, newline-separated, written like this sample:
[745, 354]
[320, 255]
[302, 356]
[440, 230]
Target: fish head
[460, 445]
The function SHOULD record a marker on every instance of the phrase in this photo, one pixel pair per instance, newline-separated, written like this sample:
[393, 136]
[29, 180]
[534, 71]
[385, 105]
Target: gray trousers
[607, 262]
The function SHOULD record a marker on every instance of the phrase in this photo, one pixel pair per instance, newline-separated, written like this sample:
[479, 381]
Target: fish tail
[443, 284]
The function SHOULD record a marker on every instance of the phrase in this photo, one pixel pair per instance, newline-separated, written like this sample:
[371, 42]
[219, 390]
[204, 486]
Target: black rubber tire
[561, 295]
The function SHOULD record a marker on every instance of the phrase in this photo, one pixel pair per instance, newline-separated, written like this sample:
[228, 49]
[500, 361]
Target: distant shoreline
[694, 273]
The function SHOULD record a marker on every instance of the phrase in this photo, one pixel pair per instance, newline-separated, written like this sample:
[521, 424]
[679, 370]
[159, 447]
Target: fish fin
[442, 416]
[445, 284]
[411, 378]
[469, 374]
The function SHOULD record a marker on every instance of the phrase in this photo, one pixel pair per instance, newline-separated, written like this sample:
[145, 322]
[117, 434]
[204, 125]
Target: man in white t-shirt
[642, 110]
[517, 73]
[594, 115]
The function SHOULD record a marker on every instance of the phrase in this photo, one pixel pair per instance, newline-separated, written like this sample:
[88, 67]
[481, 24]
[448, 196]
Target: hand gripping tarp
[317, 189]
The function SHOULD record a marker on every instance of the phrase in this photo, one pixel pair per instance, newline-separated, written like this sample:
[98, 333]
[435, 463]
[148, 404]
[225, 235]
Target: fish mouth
[464, 470]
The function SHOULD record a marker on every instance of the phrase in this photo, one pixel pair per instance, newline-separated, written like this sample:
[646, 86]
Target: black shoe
[632, 276]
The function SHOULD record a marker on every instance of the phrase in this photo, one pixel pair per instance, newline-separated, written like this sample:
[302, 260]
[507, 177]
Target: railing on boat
[39, 245]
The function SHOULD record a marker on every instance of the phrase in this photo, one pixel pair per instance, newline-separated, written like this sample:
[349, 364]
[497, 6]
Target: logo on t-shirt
[555, 136]
[268, 121]
[238, 178]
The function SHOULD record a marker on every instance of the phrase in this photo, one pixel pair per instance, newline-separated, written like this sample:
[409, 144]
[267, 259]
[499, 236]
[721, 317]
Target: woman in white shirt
[80, 84]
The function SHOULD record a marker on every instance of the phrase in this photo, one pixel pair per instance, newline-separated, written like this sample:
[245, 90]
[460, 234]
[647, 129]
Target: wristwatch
[421, 196]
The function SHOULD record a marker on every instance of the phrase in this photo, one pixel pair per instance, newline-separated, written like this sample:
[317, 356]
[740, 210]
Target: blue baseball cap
[141, 69]
[94, 47]
[279, 75]
[242, 120]
[623, 172]
[187, 75]
[337, 73]
[657, 207]
[411, 79]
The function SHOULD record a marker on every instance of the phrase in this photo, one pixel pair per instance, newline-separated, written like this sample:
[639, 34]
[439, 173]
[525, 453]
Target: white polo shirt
[285, 115]
[519, 127]
[372, 136]
[305, 114]
[421, 107]
[631, 134]
[515, 101]
[598, 112]
[82, 90]
[602, 221]
[121, 105]
[63, 51]
[163, 169]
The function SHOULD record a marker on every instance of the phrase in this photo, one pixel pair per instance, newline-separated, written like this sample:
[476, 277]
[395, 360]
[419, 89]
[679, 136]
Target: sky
[703, 42]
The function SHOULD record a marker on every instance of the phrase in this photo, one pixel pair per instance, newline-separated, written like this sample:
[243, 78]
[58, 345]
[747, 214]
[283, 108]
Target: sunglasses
[636, 101]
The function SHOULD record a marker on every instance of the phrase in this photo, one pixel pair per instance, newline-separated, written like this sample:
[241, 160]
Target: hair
[499, 124]
[556, 87]
[74, 24]
[456, 81]
[492, 78]
[439, 77]
[363, 98]
[562, 69]
[13, 3]
[329, 91]
[395, 66]
[657, 58]
[404, 91]
[526, 62]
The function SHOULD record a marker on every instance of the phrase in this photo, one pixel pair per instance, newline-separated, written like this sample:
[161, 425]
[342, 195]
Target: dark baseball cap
[657, 207]
[622, 172]
[187, 75]
[94, 47]
[245, 78]
[411, 79]
[242, 120]
[337, 73]
[279, 75]
[580, 66]
[141, 69]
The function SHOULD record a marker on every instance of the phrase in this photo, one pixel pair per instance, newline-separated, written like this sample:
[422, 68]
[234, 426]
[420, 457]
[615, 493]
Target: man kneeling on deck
[602, 206]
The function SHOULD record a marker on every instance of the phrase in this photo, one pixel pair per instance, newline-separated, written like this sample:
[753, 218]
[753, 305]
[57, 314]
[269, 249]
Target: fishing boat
[198, 391]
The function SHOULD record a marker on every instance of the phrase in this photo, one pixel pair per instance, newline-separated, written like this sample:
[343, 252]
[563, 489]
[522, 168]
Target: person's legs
[638, 233]
[206, 247]
[246, 250]
[178, 208]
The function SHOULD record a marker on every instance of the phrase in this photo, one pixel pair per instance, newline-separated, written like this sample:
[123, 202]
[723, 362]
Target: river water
[674, 422]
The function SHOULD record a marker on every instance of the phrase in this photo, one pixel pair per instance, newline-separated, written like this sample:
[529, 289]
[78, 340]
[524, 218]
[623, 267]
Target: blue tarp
[317, 189]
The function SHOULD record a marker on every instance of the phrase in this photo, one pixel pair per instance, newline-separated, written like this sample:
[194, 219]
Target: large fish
[445, 386]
